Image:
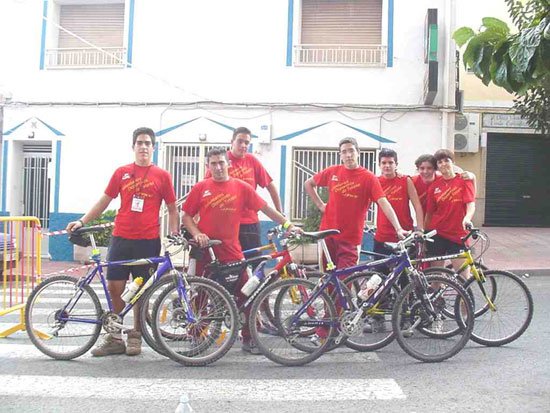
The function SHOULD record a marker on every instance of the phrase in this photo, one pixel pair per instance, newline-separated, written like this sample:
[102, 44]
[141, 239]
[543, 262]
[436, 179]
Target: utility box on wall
[264, 134]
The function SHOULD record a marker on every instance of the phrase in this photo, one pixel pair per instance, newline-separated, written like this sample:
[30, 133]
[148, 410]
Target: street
[511, 378]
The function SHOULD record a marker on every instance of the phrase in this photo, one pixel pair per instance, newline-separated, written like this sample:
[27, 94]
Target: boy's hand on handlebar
[402, 234]
[467, 224]
[201, 239]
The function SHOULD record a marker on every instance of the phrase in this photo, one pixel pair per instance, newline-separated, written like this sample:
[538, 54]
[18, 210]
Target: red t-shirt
[398, 195]
[250, 170]
[422, 188]
[446, 201]
[150, 183]
[219, 205]
[351, 192]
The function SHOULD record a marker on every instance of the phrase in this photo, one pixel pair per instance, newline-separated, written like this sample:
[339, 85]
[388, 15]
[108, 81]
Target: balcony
[358, 55]
[85, 58]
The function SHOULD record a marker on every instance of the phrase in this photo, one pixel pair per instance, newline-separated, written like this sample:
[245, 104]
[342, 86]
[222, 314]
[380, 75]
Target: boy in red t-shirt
[450, 206]
[142, 187]
[246, 167]
[352, 188]
[219, 202]
[399, 190]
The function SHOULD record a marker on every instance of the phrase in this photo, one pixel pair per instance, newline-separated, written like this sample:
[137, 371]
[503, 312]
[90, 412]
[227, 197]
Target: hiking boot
[110, 345]
[133, 343]
[249, 346]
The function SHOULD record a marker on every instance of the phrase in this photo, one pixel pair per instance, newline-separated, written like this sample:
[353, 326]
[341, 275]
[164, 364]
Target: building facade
[301, 74]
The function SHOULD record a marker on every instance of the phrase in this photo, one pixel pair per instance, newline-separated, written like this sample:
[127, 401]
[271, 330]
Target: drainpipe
[448, 72]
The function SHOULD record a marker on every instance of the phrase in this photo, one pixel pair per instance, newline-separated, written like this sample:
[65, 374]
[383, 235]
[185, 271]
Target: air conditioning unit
[466, 132]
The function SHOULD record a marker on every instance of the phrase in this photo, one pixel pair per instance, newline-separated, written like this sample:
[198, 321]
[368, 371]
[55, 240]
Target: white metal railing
[308, 161]
[85, 57]
[340, 55]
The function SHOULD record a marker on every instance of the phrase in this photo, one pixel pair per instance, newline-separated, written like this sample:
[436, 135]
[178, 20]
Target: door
[36, 182]
[518, 180]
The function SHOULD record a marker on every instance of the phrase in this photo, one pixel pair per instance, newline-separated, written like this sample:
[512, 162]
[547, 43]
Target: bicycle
[64, 315]
[228, 274]
[502, 301]
[424, 304]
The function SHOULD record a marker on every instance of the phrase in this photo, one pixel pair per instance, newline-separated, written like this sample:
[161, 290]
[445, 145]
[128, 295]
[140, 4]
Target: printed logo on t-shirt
[334, 178]
[437, 191]
[244, 173]
[126, 176]
[206, 193]
[347, 189]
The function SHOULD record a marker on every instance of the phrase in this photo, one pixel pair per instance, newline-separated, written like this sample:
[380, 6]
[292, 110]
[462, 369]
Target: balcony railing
[340, 55]
[74, 58]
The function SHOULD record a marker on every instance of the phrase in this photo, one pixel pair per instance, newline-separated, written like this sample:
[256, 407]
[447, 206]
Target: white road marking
[27, 350]
[203, 389]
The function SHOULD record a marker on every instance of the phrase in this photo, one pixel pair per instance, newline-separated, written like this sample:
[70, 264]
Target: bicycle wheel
[147, 302]
[312, 344]
[512, 312]
[62, 320]
[286, 298]
[201, 341]
[420, 321]
[376, 330]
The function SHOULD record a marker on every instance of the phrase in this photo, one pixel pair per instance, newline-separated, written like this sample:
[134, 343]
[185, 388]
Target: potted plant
[102, 239]
[303, 250]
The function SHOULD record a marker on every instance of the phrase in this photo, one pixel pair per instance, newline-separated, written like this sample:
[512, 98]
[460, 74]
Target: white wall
[215, 49]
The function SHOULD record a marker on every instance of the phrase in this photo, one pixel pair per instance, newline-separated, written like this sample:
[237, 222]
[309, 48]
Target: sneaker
[249, 346]
[133, 343]
[109, 346]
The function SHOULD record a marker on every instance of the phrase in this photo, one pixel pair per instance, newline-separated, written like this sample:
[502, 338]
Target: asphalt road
[512, 378]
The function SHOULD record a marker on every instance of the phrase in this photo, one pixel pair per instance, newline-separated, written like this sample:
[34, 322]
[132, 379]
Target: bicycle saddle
[321, 234]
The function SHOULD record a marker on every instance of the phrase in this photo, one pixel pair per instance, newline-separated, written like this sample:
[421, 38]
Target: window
[306, 162]
[101, 25]
[341, 33]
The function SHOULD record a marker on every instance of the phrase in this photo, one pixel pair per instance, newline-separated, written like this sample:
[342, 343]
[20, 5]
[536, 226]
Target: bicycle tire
[374, 335]
[511, 297]
[432, 332]
[147, 302]
[55, 293]
[281, 348]
[204, 341]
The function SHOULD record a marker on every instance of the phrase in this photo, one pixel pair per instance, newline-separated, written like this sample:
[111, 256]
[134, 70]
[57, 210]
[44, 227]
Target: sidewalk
[521, 250]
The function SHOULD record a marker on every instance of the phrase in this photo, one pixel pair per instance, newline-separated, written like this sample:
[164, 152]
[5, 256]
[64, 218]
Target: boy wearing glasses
[142, 187]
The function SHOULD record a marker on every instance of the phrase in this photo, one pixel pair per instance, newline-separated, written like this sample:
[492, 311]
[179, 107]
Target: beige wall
[475, 162]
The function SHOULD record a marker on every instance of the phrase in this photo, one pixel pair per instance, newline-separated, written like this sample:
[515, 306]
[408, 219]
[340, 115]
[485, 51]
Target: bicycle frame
[165, 265]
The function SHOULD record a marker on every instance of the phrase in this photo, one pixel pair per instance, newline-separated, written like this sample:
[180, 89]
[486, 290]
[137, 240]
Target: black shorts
[442, 246]
[131, 249]
[249, 236]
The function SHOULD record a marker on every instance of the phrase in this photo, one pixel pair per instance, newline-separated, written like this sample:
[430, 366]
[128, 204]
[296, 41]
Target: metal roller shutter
[342, 22]
[100, 24]
[518, 181]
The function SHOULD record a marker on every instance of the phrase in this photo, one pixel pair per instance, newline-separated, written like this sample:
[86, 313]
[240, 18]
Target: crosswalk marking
[203, 389]
[235, 355]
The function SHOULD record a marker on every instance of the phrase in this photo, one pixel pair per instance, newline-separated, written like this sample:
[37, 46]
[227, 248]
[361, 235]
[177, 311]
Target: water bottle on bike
[254, 280]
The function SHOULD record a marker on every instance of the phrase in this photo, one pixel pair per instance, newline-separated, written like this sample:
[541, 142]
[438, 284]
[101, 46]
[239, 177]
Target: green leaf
[462, 35]
[501, 76]
[471, 54]
[496, 24]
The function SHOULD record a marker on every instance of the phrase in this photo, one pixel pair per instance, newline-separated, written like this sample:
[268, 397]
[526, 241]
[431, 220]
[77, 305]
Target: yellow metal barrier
[20, 267]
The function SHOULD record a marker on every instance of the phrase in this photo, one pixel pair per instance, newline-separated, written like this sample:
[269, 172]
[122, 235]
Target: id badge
[137, 204]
